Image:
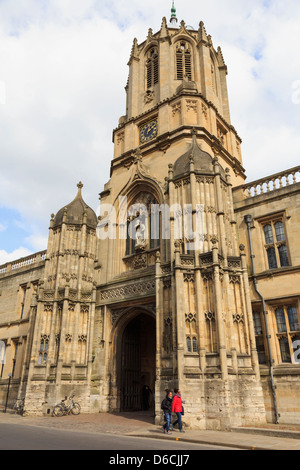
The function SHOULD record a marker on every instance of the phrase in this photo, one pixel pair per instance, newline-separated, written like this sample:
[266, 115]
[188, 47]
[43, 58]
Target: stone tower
[63, 310]
[173, 303]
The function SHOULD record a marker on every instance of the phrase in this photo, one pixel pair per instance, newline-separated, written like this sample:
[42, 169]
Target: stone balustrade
[23, 262]
[272, 183]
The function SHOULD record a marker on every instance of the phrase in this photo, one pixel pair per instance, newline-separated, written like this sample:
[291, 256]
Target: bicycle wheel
[58, 410]
[75, 410]
[15, 408]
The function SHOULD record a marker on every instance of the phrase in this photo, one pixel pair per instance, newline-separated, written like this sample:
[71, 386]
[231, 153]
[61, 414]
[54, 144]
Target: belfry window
[152, 68]
[183, 61]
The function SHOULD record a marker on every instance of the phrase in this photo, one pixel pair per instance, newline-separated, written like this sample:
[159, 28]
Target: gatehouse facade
[189, 277]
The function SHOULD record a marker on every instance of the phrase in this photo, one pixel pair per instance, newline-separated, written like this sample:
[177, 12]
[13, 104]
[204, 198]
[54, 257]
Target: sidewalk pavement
[140, 424]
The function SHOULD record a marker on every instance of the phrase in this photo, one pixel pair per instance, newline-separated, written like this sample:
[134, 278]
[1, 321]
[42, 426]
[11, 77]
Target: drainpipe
[248, 220]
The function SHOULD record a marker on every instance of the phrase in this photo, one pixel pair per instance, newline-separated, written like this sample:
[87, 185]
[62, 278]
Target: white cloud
[6, 257]
[64, 68]
[37, 242]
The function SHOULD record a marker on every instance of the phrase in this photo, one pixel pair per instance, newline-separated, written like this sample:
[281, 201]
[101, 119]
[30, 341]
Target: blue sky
[13, 230]
[58, 108]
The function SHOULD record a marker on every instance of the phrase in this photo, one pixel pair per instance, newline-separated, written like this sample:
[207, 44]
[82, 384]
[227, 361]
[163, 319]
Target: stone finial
[202, 36]
[65, 215]
[52, 220]
[220, 57]
[164, 28]
[134, 49]
[191, 160]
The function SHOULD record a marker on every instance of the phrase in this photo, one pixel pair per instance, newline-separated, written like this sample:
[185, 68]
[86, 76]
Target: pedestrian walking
[178, 408]
[166, 406]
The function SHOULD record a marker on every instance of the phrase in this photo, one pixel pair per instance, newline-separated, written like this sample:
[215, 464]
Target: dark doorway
[138, 363]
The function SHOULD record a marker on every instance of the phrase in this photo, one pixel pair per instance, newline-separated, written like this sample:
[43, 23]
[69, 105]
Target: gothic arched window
[43, 352]
[183, 61]
[152, 68]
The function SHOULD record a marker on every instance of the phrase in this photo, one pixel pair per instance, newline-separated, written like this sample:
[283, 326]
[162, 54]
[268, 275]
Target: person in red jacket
[177, 408]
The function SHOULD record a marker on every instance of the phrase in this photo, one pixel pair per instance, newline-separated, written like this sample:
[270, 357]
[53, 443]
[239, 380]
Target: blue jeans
[168, 418]
[178, 420]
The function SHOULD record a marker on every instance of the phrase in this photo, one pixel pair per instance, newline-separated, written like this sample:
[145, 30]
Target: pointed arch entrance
[137, 362]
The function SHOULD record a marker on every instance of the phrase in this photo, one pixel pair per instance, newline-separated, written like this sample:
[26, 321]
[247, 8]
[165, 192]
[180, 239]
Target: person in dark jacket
[146, 397]
[166, 406]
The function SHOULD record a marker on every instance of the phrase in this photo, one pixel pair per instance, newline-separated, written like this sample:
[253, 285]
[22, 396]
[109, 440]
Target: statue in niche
[140, 242]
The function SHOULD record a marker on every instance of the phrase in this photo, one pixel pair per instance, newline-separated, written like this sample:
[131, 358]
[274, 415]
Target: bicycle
[18, 407]
[61, 409]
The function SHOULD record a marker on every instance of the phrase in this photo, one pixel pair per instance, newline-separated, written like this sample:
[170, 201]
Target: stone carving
[210, 316]
[82, 338]
[238, 318]
[190, 317]
[139, 288]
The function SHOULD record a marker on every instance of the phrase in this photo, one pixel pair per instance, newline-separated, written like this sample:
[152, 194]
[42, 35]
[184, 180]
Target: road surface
[26, 437]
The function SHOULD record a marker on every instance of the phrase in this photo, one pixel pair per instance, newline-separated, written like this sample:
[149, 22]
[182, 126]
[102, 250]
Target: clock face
[148, 131]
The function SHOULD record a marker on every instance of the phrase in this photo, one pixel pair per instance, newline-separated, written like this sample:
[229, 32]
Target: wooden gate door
[131, 368]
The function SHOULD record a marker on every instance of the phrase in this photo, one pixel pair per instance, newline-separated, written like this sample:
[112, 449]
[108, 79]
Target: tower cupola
[75, 212]
[173, 19]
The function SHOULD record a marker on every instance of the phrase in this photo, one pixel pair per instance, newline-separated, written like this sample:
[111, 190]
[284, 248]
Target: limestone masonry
[190, 276]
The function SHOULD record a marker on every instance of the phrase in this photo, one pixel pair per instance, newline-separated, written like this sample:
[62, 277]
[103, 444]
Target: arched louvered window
[152, 68]
[183, 61]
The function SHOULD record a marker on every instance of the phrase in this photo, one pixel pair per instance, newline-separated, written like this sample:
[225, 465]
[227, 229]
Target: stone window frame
[259, 335]
[285, 334]
[273, 257]
[183, 60]
[43, 350]
[191, 344]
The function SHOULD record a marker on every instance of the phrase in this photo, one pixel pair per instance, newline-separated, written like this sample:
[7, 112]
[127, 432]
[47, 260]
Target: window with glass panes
[43, 352]
[191, 344]
[259, 338]
[287, 325]
[275, 244]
